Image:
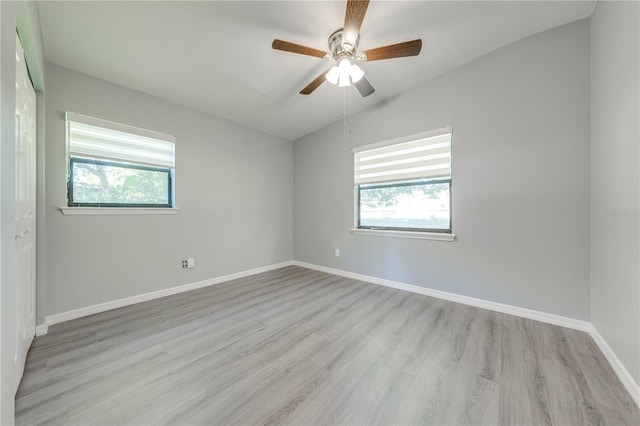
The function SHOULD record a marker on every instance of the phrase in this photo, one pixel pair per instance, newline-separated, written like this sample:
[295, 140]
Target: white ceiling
[216, 56]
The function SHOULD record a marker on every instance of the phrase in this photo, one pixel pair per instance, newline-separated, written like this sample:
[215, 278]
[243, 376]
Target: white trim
[42, 329]
[623, 374]
[119, 303]
[438, 236]
[422, 135]
[458, 298]
[71, 211]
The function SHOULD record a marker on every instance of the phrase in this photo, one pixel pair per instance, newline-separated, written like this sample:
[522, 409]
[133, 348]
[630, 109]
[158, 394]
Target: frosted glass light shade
[343, 81]
[344, 73]
[333, 75]
[356, 73]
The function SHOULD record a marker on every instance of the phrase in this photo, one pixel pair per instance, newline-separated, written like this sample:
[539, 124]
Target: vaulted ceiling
[216, 56]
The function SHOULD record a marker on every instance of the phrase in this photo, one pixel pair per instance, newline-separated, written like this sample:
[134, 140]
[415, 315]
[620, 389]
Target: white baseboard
[466, 300]
[42, 329]
[114, 304]
[623, 374]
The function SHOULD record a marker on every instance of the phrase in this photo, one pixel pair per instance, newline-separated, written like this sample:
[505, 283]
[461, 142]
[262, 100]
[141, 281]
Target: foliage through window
[112, 165]
[405, 184]
[106, 183]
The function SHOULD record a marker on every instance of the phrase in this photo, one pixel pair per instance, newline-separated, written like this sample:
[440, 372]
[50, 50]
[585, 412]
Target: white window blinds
[90, 137]
[424, 156]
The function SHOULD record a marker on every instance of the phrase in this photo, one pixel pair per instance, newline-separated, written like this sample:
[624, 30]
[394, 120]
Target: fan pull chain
[350, 109]
[344, 119]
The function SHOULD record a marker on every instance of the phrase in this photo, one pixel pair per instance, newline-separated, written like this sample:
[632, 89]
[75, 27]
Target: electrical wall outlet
[185, 264]
[337, 252]
[191, 262]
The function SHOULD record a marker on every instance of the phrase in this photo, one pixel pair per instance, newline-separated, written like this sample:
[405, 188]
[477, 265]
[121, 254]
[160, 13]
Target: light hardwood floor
[295, 346]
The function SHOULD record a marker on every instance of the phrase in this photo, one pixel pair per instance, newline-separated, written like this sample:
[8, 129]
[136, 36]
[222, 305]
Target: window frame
[449, 230]
[397, 232]
[71, 208]
[100, 162]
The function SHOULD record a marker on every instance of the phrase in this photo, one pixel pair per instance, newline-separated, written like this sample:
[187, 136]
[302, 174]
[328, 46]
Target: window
[113, 165]
[405, 184]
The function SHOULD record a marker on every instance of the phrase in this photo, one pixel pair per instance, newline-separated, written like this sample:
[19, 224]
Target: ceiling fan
[343, 45]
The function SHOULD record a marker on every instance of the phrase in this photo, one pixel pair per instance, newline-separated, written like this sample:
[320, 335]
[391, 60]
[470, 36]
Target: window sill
[437, 236]
[71, 211]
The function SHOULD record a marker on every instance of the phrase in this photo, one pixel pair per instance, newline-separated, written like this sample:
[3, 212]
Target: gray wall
[520, 119]
[233, 188]
[615, 230]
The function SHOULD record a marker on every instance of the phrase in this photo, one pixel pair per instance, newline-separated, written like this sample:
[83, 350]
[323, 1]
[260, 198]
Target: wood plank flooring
[295, 346]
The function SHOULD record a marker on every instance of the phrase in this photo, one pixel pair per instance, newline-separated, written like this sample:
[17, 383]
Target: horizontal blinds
[117, 143]
[424, 158]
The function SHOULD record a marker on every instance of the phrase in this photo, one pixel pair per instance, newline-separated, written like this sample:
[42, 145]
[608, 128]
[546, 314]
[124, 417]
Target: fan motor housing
[337, 49]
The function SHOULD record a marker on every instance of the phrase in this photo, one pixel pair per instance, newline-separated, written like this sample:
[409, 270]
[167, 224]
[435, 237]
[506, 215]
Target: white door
[25, 256]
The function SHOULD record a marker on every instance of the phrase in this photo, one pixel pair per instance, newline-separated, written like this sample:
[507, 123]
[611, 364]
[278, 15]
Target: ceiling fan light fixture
[356, 73]
[344, 73]
[345, 65]
[333, 75]
[343, 81]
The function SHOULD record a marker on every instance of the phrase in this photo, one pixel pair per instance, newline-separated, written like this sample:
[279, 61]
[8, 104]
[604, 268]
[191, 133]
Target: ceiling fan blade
[408, 48]
[314, 84]
[353, 20]
[297, 48]
[364, 87]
